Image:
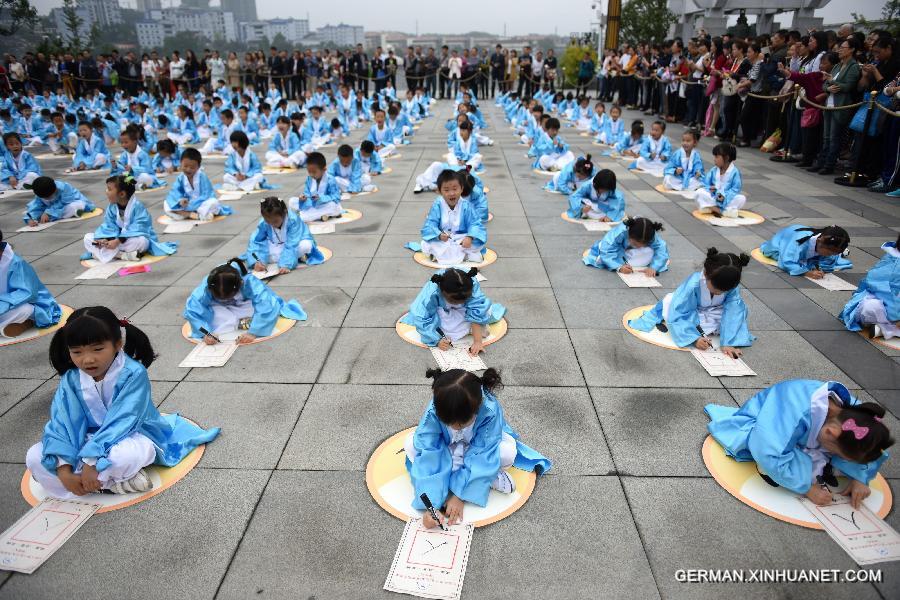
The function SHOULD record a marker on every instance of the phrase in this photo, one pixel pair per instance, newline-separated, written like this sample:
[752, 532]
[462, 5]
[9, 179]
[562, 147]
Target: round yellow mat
[602, 145]
[167, 220]
[409, 334]
[758, 255]
[278, 170]
[662, 189]
[162, 477]
[490, 257]
[385, 171]
[893, 343]
[34, 332]
[147, 259]
[742, 480]
[565, 217]
[392, 156]
[390, 486]
[745, 217]
[348, 216]
[543, 172]
[282, 325]
[656, 337]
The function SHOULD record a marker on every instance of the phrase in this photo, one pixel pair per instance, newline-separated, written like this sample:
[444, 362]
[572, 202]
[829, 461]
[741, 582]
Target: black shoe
[826, 171]
[803, 165]
[662, 327]
[814, 168]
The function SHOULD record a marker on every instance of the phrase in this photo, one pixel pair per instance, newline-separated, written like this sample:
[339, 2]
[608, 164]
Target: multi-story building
[210, 23]
[244, 11]
[101, 13]
[342, 34]
[293, 30]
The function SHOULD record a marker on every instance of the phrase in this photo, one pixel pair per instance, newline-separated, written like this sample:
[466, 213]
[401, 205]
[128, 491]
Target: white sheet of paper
[271, 271]
[719, 365]
[593, 225]
[204, 355]
[38, 227]
[103, 271]
[319, 228]
[42, 531]
[180, 227]
[833, 283]
[637, 279]
[457, 358]
[430, 563]
[726, 221]
[13, 193]
[860, 532]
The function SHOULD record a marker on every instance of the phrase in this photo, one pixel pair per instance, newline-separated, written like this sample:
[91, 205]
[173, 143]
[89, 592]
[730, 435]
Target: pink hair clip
[859, 432]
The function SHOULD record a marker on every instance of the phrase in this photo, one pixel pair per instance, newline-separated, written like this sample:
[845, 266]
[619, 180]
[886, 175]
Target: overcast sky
[457, 16]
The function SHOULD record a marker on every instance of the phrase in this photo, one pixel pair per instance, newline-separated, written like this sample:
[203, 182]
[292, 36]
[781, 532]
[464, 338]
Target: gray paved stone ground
[278, 506]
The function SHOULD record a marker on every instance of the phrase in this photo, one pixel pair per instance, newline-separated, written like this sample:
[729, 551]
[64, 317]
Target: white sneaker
[877, 332]
[475, 257]
[730, 213]
[140, 483]
[129, 256]
[418, 189]
[503, 483]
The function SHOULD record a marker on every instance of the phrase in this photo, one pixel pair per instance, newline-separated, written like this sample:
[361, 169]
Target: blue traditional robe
[130, 411]
[464, 152]
[234, 164]
[544, 145]
[627, 142]
[23, 287]
[293, 231]
[731, 185]
[797, 259]
[883, 282]
[693, 170]
[609, 253]
[469, 223]
[775, 428]
[612, 204]
[567, 182]
[288, 144]
[197, 195]
[423, 313]
[86, 152]
[54, 206]
[140, 164]
[18, 167]
[135, 222]
[684, 318]
[656, 149]
[376, 166]
[267, 307]
[352, 172]
[432, 471]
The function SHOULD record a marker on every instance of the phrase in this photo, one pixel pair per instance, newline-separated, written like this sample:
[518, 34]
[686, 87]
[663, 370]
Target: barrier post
[789, 129]
[855, 178]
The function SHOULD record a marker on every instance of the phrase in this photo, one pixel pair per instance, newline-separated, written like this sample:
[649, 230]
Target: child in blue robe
[24, 301]
[285, 148]
[801, 250]
[281, 238]
[684, 171]
[104, 428]
[630, 145]
[452, 232]
[18, 168]
[127, 229]
[572, 176]
[167, 158]
[192, 196]
[462, 446]
[369, 160]
[549, 150]
[598, 199]
[655, 151]
[134, 161]
[321, 197]
[183, 130]
[347, 172]
[91, 152]
[599, 119]
[221, 143]
[54, 200]
[706, 303]
[451, 307]
[799, 431]
[464, 148]
[473, 193]
[231, 300]
[721, 194]
[382, 136]
[242, 169]
[876, 302]
[631, 246]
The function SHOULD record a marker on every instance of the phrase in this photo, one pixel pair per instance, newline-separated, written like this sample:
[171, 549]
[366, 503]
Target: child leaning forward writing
[462, 446]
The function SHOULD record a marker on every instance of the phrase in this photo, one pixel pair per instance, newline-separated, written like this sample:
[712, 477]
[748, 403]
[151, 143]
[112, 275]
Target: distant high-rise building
[193, 4]
[210, 23]
[342, 34]
[244, 10]
[143, 5]
[293, 30]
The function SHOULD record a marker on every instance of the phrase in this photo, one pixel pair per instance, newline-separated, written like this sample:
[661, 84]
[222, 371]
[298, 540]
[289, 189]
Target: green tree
[183, 41]
[74, 25]
[280, 42]
[645, 21]
[16, 13]
[890, 18]
[571, 57]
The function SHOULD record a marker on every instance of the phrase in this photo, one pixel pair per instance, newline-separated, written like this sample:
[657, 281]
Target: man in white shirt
[176, 68]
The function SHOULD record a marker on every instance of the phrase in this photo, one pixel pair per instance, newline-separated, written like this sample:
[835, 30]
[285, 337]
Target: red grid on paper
[454, 539]
[841, 526]
[37, 516]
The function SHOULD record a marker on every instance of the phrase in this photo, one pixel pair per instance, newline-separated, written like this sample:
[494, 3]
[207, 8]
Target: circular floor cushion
[278, 170]
[496, 331]
[393, 156]
[349, 196]
[167, 220]
[34, 332]
[893, 343]
[546, 173]
[87, 215]
[662, 189]
[348, 216]
[163, 478]
[745, 217]
[386, 170]
[282, 325]
[565, 217]
[490, 257]
[147, 259]
[742, 480]
[602, 145]
[758, 255]
[390, 486]
[656, 337]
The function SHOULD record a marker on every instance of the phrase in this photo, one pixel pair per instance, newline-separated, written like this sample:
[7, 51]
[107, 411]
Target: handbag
[729, 86]
[858, 122]
[811, 117]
